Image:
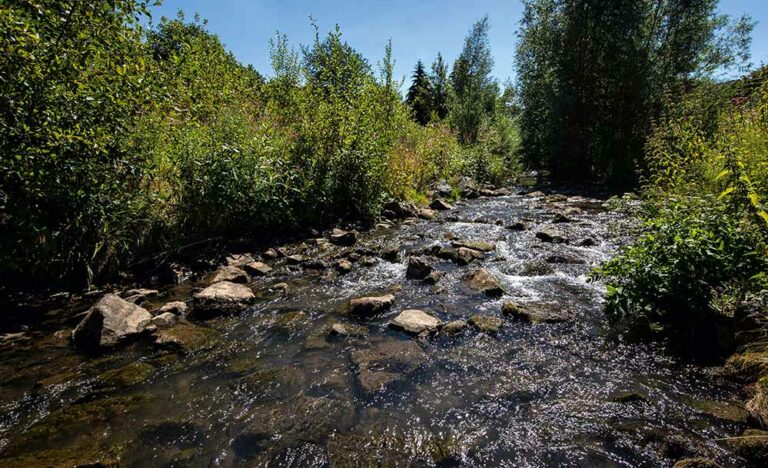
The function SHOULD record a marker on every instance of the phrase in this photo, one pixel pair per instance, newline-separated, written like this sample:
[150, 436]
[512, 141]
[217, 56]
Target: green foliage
[473, 90]
[420, 95]
[439, 85]
[583, 63]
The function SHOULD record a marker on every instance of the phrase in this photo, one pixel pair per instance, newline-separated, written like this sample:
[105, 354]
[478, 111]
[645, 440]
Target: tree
[474, 90]
[420, 95]
[592, 75]
[439, 80]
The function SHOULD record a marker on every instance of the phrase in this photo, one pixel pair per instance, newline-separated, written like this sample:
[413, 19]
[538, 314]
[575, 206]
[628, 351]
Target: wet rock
[398, 210]
[433, 278]
[176, 308]
[275, 426]
[535, 194]
[556, 198]
[271, 254]
[427, 214]
[587, 242]
[573, 211]
[222, 298]
[443, 188]
[481, 246]
[418, 268]
[257, 268]
[531, 314]
[468, 188]
[239, 260]
[315, 264]
[728, 411]
[164, 320]
[371, 305]
[391, 254]
[185, 337]
[110, 322]
[290, 322]
[368, 261]
[465, 256]
[139, 296]
[752, 445]
[415, 322]
[132, 374]
[454, 327]
[561, 218]
[565, 259]
[346, 330]
[550, 234]
[385, 363]
[518, 226]
[698, 462]
[231, 274]
[344, 266]
[486, 323]
[440, 205]
[295, 259]
[483, 282]
[343, 238]
[536, 268]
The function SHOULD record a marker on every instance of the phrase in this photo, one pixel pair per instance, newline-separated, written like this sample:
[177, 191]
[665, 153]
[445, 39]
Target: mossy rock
[728, 411]
[187, 338]
[132, 374]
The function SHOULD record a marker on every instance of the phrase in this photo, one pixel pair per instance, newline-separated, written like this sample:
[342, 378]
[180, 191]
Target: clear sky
[418, 28]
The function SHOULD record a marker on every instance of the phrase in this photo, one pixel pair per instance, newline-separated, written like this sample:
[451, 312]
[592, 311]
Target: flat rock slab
[482, 246]
[482, 282]
[257, 268]
[229, 273]
[371, 305]
[385, 363]
[535, 313]
[109, 322]
[221, 298]
[416, 322]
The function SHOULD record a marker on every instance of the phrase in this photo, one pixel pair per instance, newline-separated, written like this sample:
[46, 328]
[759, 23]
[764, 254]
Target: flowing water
[276, 390]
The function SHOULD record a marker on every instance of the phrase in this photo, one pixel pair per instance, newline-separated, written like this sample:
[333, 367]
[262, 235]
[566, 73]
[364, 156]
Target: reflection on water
[275, 389]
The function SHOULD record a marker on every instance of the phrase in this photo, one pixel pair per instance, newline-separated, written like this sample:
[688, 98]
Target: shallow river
[275, 389]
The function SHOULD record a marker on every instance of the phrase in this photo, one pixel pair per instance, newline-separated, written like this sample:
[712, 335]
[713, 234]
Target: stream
[270, 385]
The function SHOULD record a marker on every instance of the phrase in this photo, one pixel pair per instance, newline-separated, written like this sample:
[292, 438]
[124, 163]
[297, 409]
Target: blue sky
[418, 29]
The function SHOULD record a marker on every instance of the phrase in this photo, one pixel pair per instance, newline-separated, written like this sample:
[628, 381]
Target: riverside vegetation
[144, 154]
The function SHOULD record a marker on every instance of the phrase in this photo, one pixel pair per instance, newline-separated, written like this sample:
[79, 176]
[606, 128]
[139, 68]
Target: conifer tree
[439, 80]
[420, 95]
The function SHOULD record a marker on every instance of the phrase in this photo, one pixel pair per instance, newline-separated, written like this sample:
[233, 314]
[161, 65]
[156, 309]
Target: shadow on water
[277, 389]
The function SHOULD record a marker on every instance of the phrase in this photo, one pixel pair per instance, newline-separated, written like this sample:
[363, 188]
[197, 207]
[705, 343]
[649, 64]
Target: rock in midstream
[416, 322]
[222, 298]
[371, 305]
[109, 322]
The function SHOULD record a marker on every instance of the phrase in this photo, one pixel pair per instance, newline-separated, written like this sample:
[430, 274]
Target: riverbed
[273, 386]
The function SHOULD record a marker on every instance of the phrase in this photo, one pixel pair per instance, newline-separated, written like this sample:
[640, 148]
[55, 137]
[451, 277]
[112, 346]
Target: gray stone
[109, 322]
[486, 323]
[176, 307]
[257, 268]
[534, 313]
[371, 305]
[164, 320]
[230, 273]
[418, 268]
[416, 322]
[481, 246]
[550, 234]
[221, 298]
[483, 282]
[440, 205]
[344, 238]
[454, 327]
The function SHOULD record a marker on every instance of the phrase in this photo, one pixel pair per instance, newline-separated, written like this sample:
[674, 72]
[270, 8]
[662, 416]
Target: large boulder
[418, 268]
[109, 322]
[371, 305]
[483, 282]
[416, 322]
[221, 298]
[385, 363]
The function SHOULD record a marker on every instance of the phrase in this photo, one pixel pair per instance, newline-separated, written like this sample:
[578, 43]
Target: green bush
[692, 249]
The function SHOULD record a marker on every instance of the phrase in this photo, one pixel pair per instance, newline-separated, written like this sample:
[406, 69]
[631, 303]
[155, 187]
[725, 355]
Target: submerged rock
[518, 226]
[752, 445]
[385, 363]
[533, 315]
[418, 268]
[257, 268]
[440, 205]
[481, 246]
[348, 330]
[371, 305]
[416, 322]
[186, 338]
[221, 298]
[108, 323]
[230, 273]
[483, 282]
[290, 322]
[132, 374]
[486, 323]
[433, 278]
